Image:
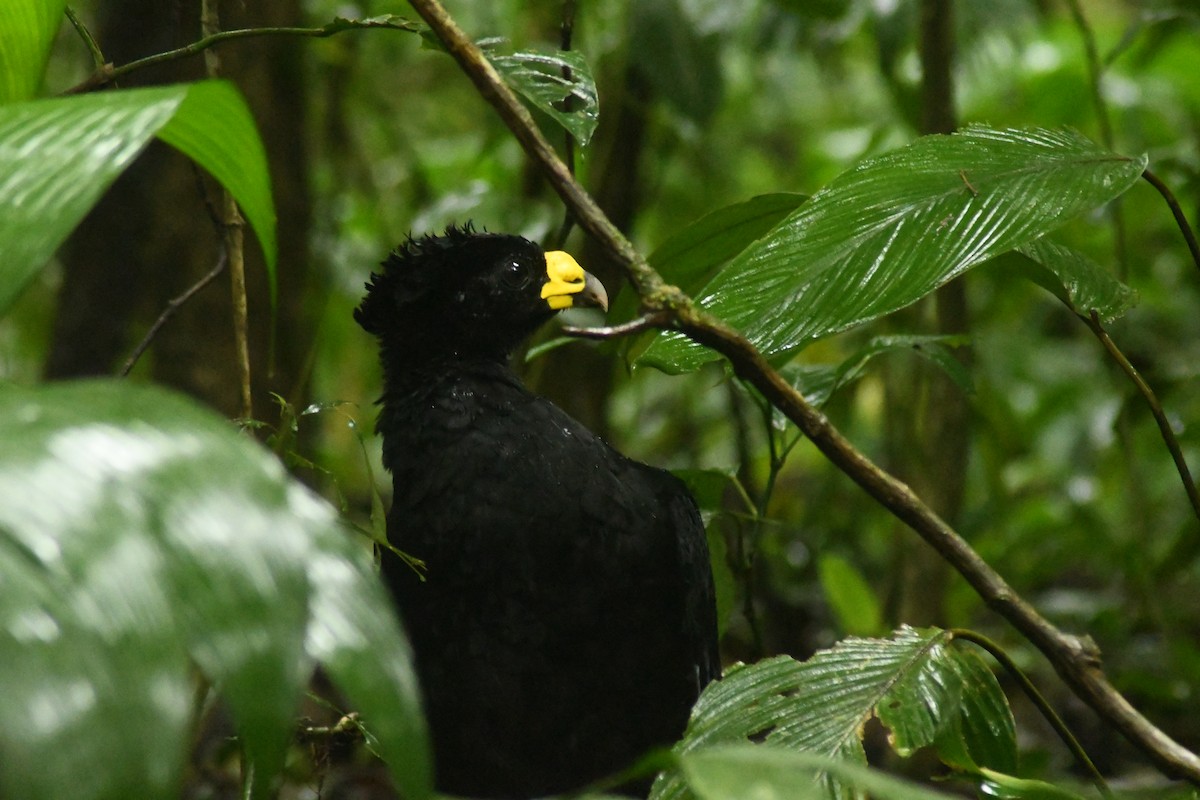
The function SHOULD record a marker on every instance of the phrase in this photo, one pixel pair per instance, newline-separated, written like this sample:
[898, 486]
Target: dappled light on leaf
[142, 537]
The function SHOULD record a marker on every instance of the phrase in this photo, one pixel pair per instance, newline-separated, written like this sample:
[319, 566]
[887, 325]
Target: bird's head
[471, 293]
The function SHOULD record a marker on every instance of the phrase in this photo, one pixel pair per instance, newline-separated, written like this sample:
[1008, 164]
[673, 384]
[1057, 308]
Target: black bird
[566, 622]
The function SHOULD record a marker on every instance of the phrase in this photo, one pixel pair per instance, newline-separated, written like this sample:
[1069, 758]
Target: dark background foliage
[1044, 458]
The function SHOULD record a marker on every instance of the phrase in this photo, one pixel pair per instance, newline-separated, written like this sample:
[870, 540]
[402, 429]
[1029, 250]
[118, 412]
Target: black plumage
[566, 622]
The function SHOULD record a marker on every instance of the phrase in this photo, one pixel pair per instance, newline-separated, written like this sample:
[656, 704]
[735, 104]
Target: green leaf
[390, 21]
[850, 596]
[27, 30]
[542, 78]
[888, 232]
[949, 691]
[915, 682]
[57, 157]
[355, 637]
[986, 729]
[141, 537]
[769, 773]
[1008, 787]
[1082, 284]
[709, 487]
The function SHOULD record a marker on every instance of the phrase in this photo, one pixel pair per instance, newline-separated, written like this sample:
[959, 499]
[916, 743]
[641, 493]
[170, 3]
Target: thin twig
[1095, 84]
[1076, 659]
[106, 73]
[1095, 71]
[1043, 706]
[173, 305]
[644, 323]
[1156, 409]
[88, 40]
[1189, 234]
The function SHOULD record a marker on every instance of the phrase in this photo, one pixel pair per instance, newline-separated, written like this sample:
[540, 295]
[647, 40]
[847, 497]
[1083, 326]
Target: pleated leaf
[919, 686]
[27, 30]
[57, 157]
[888, 232]
[142, 537]
[558, 83]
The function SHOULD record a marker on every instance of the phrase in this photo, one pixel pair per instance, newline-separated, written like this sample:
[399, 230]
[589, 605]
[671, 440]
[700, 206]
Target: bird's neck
[441, 398]
[404, 376]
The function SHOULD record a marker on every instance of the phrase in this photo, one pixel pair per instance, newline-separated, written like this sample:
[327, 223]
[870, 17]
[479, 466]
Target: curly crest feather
[400, 281]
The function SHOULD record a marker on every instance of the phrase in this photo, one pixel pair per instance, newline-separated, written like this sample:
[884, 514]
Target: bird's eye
[514, 275]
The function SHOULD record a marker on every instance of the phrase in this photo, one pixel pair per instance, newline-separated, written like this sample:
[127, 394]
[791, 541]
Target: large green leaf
[893, 229]
[141, 536]
[923, 689]
[27, 29]
[57, 157]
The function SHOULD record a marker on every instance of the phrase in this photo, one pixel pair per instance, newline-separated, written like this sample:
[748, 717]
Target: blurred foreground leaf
[27, 31]
[57, 157]
[141, 537]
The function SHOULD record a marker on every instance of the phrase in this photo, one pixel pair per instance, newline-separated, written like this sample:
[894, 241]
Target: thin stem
[88, 40]
[1189, 234]
[173, 305]
[1156, 409]
[106, 73]
[1095, 85]
[1095, 71]
[233, 229]
[1043, 706]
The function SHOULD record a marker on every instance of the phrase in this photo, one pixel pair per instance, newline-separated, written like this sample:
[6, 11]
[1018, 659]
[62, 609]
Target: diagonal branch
[1076, 659]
